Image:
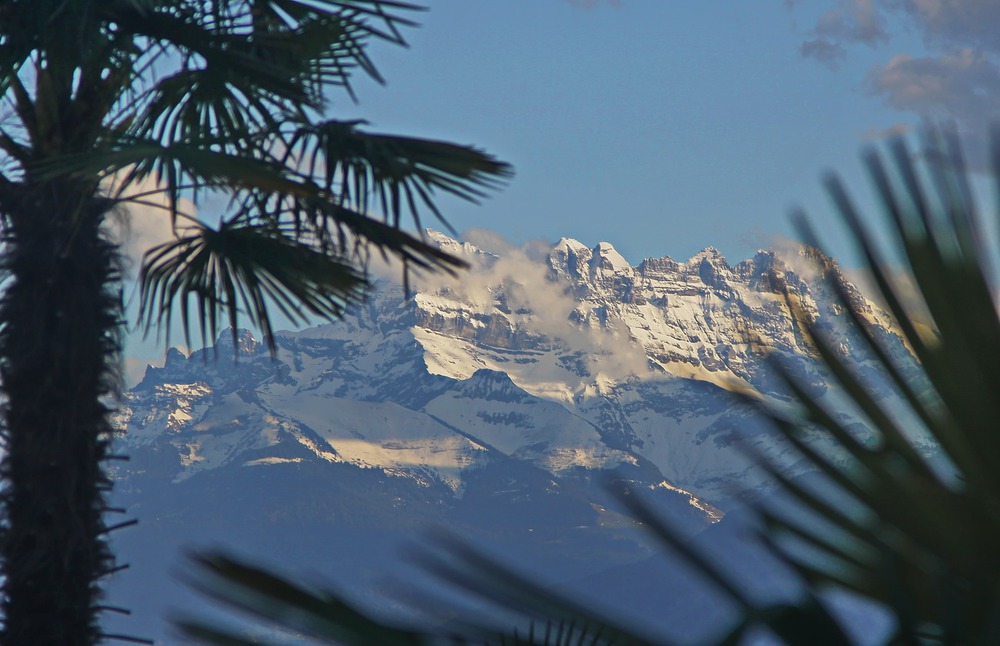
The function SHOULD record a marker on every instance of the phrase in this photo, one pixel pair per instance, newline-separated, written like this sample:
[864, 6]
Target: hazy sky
[666, 126]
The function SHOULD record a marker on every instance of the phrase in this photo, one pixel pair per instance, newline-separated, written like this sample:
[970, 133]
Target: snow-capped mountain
[567, 358]
[505, 398]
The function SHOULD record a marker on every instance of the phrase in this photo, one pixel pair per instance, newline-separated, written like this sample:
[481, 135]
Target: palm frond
[269, 191]
[286, 48]
[932, 516]
[807, 622]
[243, 269]
[194, 166]
[324, 616]
[193, 104]
[331, 224]
[321, 615]
[276, 64]
[198, 96]
[474, 573]
[396, 173]
[285, 206]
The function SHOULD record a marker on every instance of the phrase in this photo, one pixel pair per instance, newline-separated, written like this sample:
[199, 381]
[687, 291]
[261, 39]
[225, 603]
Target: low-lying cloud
[143, 223]
[520, 273]
[955, 79]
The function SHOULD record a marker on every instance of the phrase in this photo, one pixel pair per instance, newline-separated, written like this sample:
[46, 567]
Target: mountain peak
[447, 244]
[711, 254]
[174, 357]
[570, 256]
[437, 237]
[606, 257]
[491, 385]
[569, 244]
[246, 344]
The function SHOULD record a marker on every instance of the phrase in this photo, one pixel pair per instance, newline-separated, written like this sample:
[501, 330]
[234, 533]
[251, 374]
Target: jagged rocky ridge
[572, 361]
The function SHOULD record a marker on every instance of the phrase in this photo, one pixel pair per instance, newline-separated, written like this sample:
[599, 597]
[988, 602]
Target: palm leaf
[243, 269]
[292, 213]
[474, 573]
[932, 528]
[397, 172]
[283, 64]
[233, 167]
[325, 616]
[319, 614]
[267, 189]
[295, 49]
[197, 95]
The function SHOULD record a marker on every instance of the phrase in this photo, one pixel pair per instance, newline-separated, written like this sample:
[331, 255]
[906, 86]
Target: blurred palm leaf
[923, 525]
[323, 616]
[320, 615]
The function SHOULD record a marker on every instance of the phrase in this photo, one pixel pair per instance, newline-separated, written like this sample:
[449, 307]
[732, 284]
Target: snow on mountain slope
[491, 409]
[638, 351]
[565, 357]
[383, 435]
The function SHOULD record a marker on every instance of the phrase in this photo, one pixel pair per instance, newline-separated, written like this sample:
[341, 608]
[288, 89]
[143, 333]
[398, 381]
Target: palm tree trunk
[59, 348]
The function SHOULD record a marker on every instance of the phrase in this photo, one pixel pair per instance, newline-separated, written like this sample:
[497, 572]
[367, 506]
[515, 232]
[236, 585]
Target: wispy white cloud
[963, 85]
[956, 78]
[138, 226]
[517, 278]
[850, 22]
[824, 50]
[953, 23]
[854, 21]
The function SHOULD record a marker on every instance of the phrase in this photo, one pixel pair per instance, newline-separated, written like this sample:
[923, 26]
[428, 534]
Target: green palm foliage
[220, 98]
[907, 515]
[915, 530]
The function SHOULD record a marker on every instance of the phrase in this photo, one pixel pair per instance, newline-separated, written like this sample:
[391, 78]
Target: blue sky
[662, 127]
[665, 126]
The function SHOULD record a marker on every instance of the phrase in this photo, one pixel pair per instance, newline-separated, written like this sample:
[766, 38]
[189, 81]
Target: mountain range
[507, 403]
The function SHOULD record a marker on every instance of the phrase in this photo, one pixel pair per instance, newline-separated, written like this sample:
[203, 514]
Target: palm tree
[204, 97]
[908, 515]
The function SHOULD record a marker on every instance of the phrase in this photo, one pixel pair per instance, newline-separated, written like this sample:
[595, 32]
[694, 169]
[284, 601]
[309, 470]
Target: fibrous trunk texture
[58, 355]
